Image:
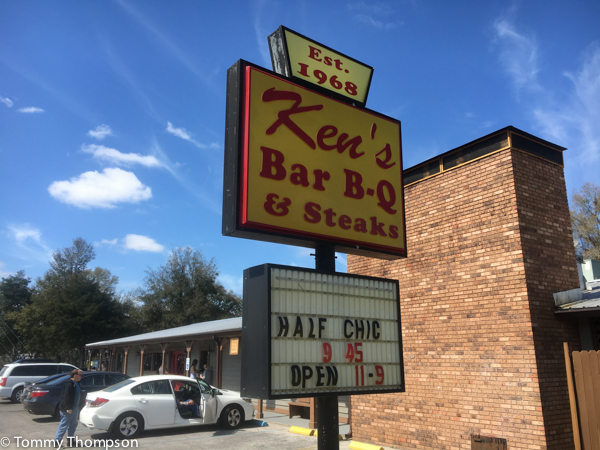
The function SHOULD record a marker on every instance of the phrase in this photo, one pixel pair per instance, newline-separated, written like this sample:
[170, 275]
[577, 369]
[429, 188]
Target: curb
[360, 446]
[314, 433]
[260, 423]
[303, 431]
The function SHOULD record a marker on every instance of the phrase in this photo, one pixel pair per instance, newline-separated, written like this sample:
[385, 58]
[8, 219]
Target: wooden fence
[584, 393]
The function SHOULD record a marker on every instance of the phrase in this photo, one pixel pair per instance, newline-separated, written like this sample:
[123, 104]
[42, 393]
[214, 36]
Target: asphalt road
[19, 429]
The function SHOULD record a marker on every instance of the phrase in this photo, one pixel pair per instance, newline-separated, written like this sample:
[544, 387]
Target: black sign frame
[256, 336]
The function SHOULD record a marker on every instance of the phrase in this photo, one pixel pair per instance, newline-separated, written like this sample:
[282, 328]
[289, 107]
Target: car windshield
[57, 380]
[4, 369]
[116, 387]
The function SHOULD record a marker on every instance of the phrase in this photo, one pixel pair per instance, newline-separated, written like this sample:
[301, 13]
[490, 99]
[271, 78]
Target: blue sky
[112, 113]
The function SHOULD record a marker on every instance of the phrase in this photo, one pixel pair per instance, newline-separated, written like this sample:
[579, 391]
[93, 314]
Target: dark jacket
[67, 396]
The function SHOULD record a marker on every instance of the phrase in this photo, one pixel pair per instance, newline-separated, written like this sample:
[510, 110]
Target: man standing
[69, 408]
[207, 375]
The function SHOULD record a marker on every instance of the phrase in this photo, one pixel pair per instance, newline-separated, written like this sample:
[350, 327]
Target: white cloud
[7, 101]
[518, 54]
[31, 110]
[29, 241]
[179, 132]
[576, 118]
[376, 23]
[183, 134]
[371, 7]
[101, 190]
[114, 156]
[262, 9]
[101, 132]
[586, 107]
[568, 118]
[190, 62]
[4, 274]
[106, 242]
[206, 197]
[367, 12]
[22, 233]
[141, 244]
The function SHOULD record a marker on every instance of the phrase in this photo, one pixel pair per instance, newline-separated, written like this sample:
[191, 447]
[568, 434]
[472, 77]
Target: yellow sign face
[326, 68]
[319, 168]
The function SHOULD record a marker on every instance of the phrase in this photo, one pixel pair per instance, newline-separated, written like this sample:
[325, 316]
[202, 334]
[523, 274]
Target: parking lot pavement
[23, 430]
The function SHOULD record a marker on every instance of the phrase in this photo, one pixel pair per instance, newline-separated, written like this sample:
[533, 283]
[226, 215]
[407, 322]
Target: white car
[150, 402]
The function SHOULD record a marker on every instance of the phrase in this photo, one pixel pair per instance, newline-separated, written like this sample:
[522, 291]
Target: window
[45, 371]
[156, 361]
[22, 371]
[156, 387]
[537, 149]
[65, 369]
[59, 380]
[114, 379]
[147, 361]
[120, 385]
[185, 391]
[34, 370]
[92, 380]
[204, 386]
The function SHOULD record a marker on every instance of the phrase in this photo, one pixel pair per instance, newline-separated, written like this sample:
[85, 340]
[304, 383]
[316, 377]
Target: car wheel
[16, 395]
[56, 414]
[128, 425]
[232, 416]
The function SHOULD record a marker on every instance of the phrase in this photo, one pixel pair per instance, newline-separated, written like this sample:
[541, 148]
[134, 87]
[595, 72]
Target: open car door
[188, 399]
[208, 403]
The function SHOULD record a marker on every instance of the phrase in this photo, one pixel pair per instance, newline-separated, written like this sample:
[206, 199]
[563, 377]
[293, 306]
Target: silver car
[14, 376]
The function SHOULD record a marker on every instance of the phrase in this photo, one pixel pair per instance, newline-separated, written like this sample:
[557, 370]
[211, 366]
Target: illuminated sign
[305, 60]
[326, 334]
[302, 168]
[234, 346]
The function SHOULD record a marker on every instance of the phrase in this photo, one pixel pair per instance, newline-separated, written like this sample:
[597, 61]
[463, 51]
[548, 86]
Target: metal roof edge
[577, 313]
[170, 334]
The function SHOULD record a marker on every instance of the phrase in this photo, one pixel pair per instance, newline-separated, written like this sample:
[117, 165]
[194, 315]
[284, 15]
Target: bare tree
[585, 218]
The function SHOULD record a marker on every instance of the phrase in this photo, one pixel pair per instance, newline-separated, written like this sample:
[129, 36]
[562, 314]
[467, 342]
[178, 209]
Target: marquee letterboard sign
[326, 334]
[303, 168]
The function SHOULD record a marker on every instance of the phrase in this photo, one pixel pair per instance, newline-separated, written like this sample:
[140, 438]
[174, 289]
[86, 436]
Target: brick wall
[549, 267]
[488, 244]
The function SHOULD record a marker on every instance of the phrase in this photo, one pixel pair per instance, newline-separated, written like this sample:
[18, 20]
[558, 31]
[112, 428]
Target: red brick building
[489, 241]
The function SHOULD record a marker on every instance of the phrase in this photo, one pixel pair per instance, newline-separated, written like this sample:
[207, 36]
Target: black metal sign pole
[327, 407]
